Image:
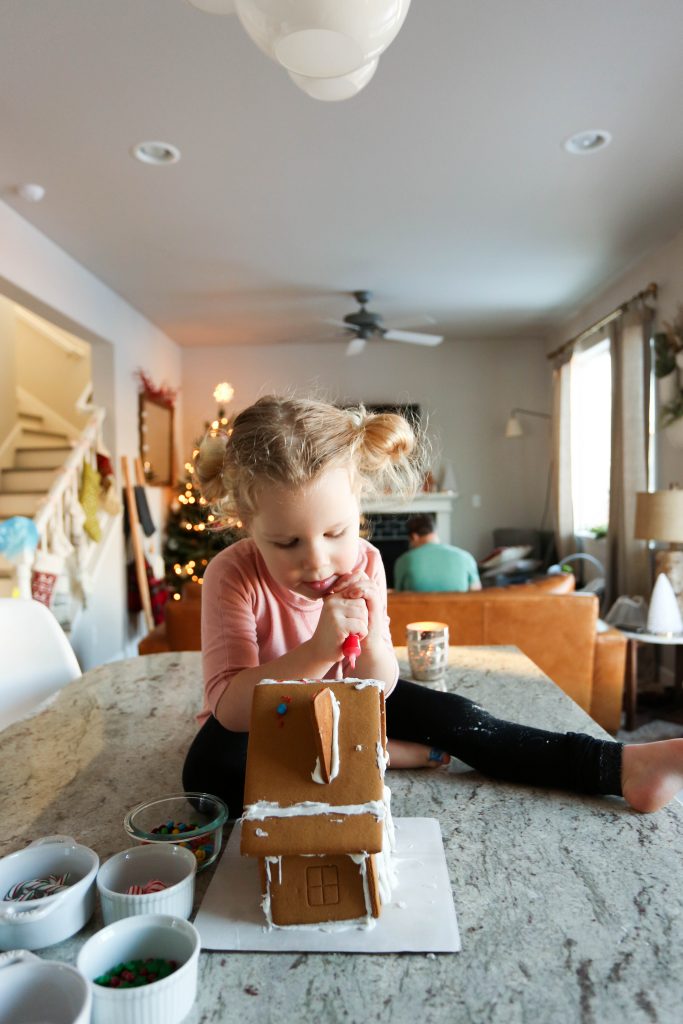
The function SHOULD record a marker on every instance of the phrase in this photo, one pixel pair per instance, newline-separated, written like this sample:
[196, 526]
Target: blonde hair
[290, 441]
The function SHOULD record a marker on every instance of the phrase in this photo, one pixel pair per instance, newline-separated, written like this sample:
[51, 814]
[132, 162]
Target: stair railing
[54, 512]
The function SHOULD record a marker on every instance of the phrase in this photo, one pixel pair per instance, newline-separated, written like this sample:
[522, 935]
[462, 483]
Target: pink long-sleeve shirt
[249, 619]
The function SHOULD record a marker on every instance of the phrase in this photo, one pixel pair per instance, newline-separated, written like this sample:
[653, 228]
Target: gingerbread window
[322, 886]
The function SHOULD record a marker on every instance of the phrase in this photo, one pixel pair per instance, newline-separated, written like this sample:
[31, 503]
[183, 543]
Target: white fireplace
[439, 503]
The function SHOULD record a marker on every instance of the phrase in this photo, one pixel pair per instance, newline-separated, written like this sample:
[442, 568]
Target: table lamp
[659, 517]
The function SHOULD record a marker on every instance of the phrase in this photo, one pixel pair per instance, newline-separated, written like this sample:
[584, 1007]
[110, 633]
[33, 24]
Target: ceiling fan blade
[355, 346]
[413, 337]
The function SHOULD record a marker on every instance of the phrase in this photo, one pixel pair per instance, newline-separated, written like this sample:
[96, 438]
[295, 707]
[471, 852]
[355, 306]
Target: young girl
[281, 603]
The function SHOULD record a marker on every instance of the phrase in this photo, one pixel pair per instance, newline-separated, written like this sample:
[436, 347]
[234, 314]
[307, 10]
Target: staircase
[39, 454]
[42, 465]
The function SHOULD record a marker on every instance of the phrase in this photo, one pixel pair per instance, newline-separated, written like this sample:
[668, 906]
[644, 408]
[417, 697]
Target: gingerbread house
[316, 809]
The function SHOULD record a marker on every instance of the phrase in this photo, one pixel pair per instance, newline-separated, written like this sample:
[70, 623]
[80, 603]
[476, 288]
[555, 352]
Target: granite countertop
[570, 908]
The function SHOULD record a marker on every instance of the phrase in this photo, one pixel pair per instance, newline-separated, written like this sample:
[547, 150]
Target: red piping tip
[351, 648]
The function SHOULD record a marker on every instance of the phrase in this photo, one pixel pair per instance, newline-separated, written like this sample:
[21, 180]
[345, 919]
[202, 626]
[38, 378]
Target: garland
[163, 393]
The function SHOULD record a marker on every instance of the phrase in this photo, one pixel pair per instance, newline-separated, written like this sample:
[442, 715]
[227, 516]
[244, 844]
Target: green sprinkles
[134, 973]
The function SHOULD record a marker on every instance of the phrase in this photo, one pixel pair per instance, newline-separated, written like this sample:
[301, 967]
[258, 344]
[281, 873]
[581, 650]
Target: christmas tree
[192, 537]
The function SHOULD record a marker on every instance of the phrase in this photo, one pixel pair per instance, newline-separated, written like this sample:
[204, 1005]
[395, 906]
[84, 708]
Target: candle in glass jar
[427, 650]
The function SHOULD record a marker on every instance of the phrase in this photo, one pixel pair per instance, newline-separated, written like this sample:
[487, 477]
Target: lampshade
[513, 428]
[332, 89]
[659, 516]
[322, 38]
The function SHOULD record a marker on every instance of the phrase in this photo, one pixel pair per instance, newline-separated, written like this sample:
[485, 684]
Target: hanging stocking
[46, 568]
[89, 496]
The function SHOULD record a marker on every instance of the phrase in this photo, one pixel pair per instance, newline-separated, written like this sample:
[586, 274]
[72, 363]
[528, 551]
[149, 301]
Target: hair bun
[209, 463]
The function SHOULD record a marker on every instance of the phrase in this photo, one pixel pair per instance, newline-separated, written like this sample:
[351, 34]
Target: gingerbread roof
[287, 812]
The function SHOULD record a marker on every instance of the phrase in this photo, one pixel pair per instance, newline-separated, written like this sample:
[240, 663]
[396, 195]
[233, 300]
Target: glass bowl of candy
[192, 820]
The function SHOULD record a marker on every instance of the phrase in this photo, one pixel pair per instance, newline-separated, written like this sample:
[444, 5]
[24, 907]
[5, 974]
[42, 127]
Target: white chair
[36, 659]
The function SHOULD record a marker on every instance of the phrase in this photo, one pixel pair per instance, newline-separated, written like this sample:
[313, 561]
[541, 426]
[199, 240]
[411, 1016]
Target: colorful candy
[174, 828]
[201, 846]
[134, 973]
[38, 888]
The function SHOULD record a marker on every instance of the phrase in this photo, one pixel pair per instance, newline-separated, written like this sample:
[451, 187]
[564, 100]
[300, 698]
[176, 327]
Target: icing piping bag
[351, 648]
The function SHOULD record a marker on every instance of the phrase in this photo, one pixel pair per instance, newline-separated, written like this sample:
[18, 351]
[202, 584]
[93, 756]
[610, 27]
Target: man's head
[421, 529]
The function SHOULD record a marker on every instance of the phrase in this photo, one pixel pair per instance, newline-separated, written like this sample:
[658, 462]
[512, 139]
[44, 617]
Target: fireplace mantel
[439, 503]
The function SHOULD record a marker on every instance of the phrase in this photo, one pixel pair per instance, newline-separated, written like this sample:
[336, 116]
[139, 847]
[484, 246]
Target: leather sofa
[558, 630]
[182, 626]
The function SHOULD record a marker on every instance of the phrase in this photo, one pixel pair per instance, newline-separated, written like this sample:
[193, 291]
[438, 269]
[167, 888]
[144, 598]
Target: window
[591, 415]
[322, 886]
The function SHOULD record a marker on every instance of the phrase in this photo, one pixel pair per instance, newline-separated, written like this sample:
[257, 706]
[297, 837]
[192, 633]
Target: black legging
[216, 761]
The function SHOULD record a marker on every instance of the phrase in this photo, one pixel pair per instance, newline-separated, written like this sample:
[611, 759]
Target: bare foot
[413, 755]
[652, 773]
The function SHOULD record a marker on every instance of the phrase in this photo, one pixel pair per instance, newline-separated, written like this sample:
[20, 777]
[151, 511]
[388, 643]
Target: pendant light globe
[334, 89]
[322, 38]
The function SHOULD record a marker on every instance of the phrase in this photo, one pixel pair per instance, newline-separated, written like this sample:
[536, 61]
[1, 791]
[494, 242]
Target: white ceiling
[443, 186]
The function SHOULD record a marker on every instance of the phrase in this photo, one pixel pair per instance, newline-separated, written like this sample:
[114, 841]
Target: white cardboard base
[420, 917]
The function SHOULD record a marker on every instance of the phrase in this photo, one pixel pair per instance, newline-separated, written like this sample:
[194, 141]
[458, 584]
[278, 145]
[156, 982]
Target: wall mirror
[156, 440]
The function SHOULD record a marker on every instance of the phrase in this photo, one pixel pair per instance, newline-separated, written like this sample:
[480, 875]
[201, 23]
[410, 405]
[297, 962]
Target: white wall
[466, 388]
[38, 274]
[8, 402]
[51, 374]
[665, 268]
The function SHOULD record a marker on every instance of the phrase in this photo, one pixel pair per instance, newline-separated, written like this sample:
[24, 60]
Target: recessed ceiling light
[156, 153]
[589, 141]
[31, 192]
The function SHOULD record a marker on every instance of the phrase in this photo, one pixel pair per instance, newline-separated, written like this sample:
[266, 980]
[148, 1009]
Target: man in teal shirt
[431, 565]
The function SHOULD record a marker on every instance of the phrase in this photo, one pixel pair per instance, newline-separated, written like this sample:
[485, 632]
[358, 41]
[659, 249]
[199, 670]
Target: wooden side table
[635, 641]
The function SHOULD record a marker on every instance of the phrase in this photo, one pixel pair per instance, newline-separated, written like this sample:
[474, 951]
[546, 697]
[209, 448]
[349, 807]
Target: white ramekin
[173, 865]
[135, 938]
[38, 923]
[32, 989]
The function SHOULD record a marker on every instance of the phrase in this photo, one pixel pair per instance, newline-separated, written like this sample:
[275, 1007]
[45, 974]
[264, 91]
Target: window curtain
[563, 513]
[628, 570]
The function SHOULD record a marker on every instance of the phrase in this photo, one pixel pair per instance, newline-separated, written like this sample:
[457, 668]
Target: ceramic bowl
[135, 938]
[171, 864]
[35, 924]
[32, 989]
[206, 812]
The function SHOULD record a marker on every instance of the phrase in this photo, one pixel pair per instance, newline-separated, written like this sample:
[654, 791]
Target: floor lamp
[513, 428]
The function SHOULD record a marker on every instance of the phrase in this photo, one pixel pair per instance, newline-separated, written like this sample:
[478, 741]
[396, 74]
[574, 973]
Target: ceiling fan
[364, 325]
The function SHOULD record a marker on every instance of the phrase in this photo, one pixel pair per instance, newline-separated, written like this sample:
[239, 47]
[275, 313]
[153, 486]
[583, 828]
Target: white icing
[361, 859]
[358, 684]
[316, 774]
[263, 809]
[359, 746]
[261, 834]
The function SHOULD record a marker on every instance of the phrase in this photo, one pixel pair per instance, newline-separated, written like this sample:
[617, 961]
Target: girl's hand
[340, 616]
[358, 586]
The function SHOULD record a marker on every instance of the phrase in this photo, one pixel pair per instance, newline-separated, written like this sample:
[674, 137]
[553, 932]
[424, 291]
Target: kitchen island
[570, 908]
